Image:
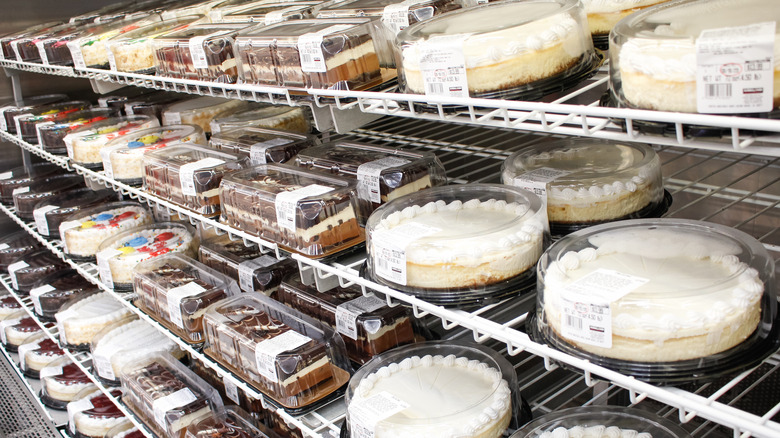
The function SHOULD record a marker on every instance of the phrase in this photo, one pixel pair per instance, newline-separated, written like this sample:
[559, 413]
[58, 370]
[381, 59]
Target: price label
[4, 246]
[35, 296]
[40, 218]
[104, 267]
[286, 204]
[369, 176]
[537, 180]
[75, 53]
[61, 317]
[111, 59]
[12, 269]
[231, 390]
[187, 174]
[267, 351]
[247, 268]
[310, 48]
[257, 152]
[3, 122]
[103, 367]
[163, 405]
[198, 52]
[172, 118]
[587, 305]
[348, 313]
[4, 325]
[49, 371]
[22, 352]
[105, 156]
[176, 295]
[15, 47]
[76, 407]
[20, 190]
[366, 414]
[389, 249]
[42, 51]
[6, 175]
[735, 69]
[443, 66]
[396, 16]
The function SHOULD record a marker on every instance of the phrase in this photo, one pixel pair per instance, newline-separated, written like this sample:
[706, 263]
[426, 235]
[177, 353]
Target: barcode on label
[574, 322]
[719, 90]
[305, 57]
[435, 88]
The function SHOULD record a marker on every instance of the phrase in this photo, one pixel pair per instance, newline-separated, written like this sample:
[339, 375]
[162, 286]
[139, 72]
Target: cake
[15, 246]
[15, 331]
[587, 182]
[34, 356]
[55, 290]
[593, 432]
[51, 136]
[200, 111]
[84, 144]
[133, 51]
[690, 295]
[233, 422]
[189, 175]
[253, 270]
[83, 319]
[366, 324]
[26, 272]
[49, 214]
[25, 124]
[187, 397]
[471, 242]
[97, 416]
[604, 14]
[281, 361]
[434, 396]
[304, 211]
[382, 173]
[15, 108]
[333, 53]
[262, 145]
[61, 381]
[82, 234]
[292, 119]
[656, 63]
[20, 178]
[176, 290]
[27, 198]
[504, 46]
[125, 344]
[123, 157]
[9, 305]
[118, 255]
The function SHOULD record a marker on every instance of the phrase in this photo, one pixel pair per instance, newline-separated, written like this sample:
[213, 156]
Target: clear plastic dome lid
[435, 389]
[687, 56]
[598, 421]
[157, 137]
[656, 291]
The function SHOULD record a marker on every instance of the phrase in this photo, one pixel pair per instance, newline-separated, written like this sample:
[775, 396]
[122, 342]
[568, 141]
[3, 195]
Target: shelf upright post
[16, 85]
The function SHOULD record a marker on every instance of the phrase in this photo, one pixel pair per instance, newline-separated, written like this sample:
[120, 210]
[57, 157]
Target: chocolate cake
[19, 177]
[50, 136]
[27, 198]
[12, 108]
[263, 145]
[15, 246]
[49, 214]
[25, 124]
[57, 289]
[38, 264]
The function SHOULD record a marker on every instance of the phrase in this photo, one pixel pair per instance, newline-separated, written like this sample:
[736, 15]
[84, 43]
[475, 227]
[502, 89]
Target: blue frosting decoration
[137, 241]
[104, 216]
[135, 144]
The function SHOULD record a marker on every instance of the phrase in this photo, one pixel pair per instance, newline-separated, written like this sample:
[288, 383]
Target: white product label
[2, 54]
[15, 47]
[104, 269]
[310, 48]
[177, 294]
[42, 52]
[348, 313]
[61, 318]
[258, 150]
[396, 17]
[38, 127]
[105, 155]
[40, 218]
[443, 66]
[74, 408]
[266, 352]
[111, 60]
[483, 2]
[368, 176]
[35, 296]
[274, 17]
[103, 367]
[18, 123]
[5, 324]
[214, 127]
[587, 305]
[12, 268]
[187, 172]
[49, 371]
[129, 109]
[4, 246]
[6, 175]
[75, 52]
[64, 227]
[287, 202]
[172, 118]
[735, 69]
[68, 140]
[163, 405]
[536, 180]
[3, 123]
[22, 352]
[389, 247]
[364, 416]
[19, 190]
[197, 52]
[231, 390]
[247, 269]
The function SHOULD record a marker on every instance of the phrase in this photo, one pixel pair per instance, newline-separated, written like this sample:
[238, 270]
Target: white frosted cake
[82, 236]
[693, 296]
[447, 396]
[504, 46]
[82, 320]
[128, 343]
[465, 244]
[588, 181]
[63, 380]
[593, 432]
[40, 353]
[657, 67]
[97, 414]
[84, 144]
[604, 14]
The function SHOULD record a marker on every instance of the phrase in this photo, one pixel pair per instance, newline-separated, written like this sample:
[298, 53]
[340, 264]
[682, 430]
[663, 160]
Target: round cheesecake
[691, 295]
[102, 416]
[447, 396]
[62, 381]
[44, 352]
[83, 233]
[604, 14]
[16, 334]
[83, 319]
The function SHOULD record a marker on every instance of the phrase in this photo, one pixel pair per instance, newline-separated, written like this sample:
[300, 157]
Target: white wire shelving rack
[573, 113]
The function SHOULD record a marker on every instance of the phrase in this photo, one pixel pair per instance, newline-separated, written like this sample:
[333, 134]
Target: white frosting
[469, 232]
[131, 341]
[600, 431]
[86, 239]
[697, 284]
[89, 316]
[122, 265]
[448, 397]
